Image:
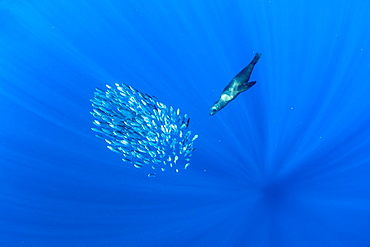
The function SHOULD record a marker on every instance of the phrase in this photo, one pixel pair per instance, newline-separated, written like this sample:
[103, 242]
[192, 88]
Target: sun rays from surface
[285, 164]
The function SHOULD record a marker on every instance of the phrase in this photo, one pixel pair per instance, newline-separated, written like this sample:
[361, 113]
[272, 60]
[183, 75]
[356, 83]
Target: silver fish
[141, 128]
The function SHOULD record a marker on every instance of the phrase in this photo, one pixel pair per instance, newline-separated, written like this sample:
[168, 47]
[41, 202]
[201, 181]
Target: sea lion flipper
[243, 87]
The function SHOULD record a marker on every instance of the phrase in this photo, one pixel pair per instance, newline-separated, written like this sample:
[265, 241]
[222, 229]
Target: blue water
[287, 163]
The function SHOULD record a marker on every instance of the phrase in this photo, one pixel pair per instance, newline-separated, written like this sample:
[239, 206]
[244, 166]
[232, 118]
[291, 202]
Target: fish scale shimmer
[145, 131]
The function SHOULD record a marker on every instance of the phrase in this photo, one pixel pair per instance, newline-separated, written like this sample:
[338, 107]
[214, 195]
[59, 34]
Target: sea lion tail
[256, 58]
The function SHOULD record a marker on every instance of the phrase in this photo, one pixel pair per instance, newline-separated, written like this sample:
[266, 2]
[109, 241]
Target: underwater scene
[185, 123]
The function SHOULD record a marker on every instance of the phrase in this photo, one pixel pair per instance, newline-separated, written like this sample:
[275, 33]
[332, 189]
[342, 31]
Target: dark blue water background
[285, 164]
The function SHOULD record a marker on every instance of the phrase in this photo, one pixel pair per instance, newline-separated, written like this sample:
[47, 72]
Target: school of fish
[145, 131]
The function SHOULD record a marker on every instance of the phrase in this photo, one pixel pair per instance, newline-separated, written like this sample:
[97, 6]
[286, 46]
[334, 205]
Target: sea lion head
[213, 110]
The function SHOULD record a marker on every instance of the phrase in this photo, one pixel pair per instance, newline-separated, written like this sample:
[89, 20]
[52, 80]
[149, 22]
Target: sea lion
[236, 86]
